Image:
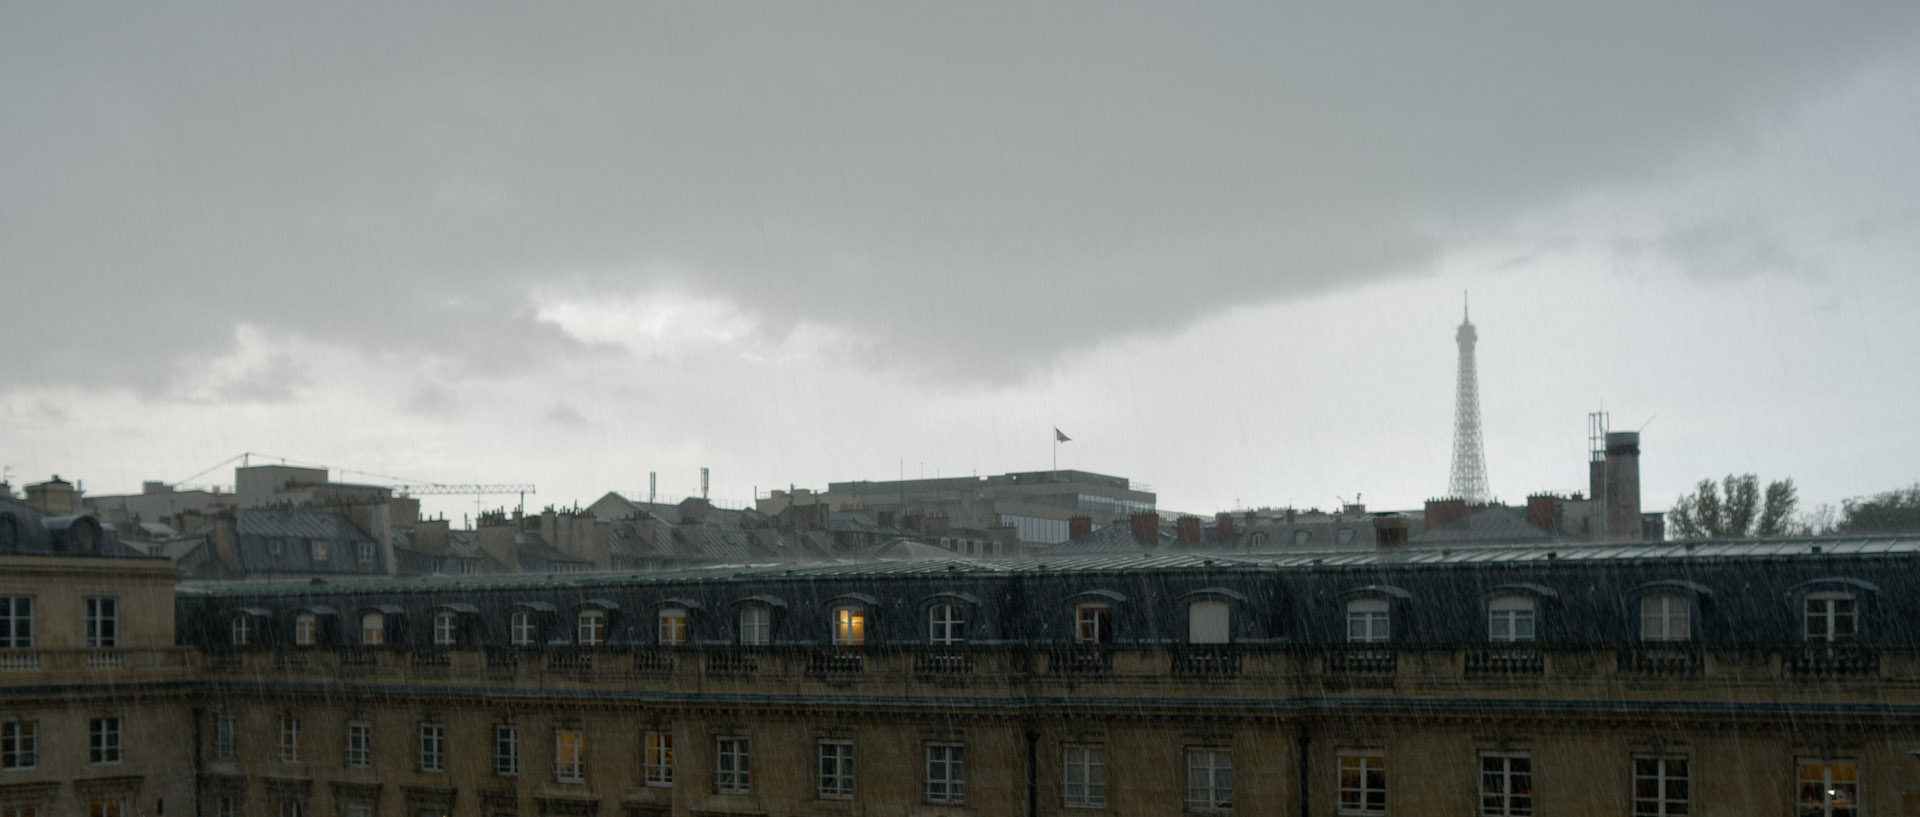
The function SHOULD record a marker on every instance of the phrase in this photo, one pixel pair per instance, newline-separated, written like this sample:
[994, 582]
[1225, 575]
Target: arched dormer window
[1210, 614]
[373, 628]
[455, 623]
[593, 622]
[241, 631]
[850, 614]
[446, 628]
[1834, 609]
[1093, 616]
[248, 626]
[950, 617]
[754, 620]
[527, 622]
[1669, 610]
[1513, 612]
[1373, 614]
[314, 625]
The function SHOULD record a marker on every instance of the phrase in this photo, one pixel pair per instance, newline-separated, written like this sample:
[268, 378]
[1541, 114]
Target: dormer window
[242, 630]
[305, 625]
[1209, 621]
[373, 628]
[756, 626]
[592, 629]
[946, 624]
[1831, 616]
[1093, 623]
[849, 626]
[1369, 621]
[366, 552]
[446, 628]
[317, 548]
[1665, 617]
[1510, 618]
[521, 629]
[673, 626]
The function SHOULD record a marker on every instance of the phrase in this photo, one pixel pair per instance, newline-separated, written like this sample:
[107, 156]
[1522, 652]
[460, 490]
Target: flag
[1059, 437]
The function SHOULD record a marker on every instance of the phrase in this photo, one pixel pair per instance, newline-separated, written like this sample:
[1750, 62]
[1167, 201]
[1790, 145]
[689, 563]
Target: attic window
[318, 548]
[366, 551]
[1300, 537]
[275, 546]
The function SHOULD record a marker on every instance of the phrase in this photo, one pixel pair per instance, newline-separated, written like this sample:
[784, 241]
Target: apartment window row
[1661, 785]
[20, 743]
[100, 617]
[1827, 615]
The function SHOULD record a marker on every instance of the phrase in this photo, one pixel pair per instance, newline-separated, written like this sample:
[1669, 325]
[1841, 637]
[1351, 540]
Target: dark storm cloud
[972, 189]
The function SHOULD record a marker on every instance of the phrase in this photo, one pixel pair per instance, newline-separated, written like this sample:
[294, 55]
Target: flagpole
[1056, 449]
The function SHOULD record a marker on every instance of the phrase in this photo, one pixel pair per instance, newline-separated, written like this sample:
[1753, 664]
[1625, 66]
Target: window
[1660, 787]
[849, 626]
[569, 756]
[223, 736]
[731, 768]
[946, 773]
[673, 626]
[226, 806]
[104, 808]
[1093, 624]
[359, 810]
[1831, 616]
[318, 549]
[1208, 622]
[16, 621]
[506, 750]
[446, 628]
[1506, 784]
[946, 624]
[359, 744]
[103, 741]
[373, 628]
[1829, 788]
[18, 749]
[520, 628]
[433, 747]
[836, 770]
[1083, 782]
[658, 760]
[275, 546]
[1344, 536]
[590, 628]
[1664, 617]
[304, 626]
[365, 551]
[1363, 782]
[1510, 618]
[103, 621]
[1369, 621]
[1301, 537]
[756, 626]
[289, 739]
[242, 630]
[1209, 780]
[291, 808]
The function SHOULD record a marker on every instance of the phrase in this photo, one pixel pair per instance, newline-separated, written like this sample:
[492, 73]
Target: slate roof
[1116, 538]
[26, 529]
[257, 529]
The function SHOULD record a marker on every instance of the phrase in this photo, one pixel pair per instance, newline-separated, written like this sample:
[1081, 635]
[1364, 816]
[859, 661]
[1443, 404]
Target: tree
[1893, 511]
[1730, 510]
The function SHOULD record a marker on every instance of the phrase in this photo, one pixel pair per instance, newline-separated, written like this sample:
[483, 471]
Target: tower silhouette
[1469, 479]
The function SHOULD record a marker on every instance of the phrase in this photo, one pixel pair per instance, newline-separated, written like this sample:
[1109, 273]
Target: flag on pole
[1059, 437]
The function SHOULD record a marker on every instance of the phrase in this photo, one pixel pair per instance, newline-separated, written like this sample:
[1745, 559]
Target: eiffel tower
[1469, 479]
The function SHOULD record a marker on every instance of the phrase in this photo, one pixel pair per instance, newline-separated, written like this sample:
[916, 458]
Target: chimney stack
[1146, 526]
[1442, 511]
[1223, 527]
[1189, 528]
[1623, 486]
[1079, 525]
[1542, 510]
[1390, 531]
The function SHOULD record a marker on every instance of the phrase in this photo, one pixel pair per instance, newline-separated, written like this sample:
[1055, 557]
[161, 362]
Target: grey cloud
[566, 417]
[975, 189]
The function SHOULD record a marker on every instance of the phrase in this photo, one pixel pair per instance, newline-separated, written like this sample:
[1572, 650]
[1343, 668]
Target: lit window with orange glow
[849, 626]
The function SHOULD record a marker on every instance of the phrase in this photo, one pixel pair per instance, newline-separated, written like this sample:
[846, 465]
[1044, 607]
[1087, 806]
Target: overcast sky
[1221, 246]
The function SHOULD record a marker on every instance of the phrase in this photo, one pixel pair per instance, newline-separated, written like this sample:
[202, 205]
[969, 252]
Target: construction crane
[475, 489]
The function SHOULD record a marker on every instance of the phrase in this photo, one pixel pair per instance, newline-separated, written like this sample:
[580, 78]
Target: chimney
[1541, 510]
[1390, 531]
[913, 520]
[1189, 528]
[885, 518]
[430, 536]
[1079, 525]
[1623, 486]
[151, 487]
[1442, 511]
[1146, 526]
[1223, 527]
